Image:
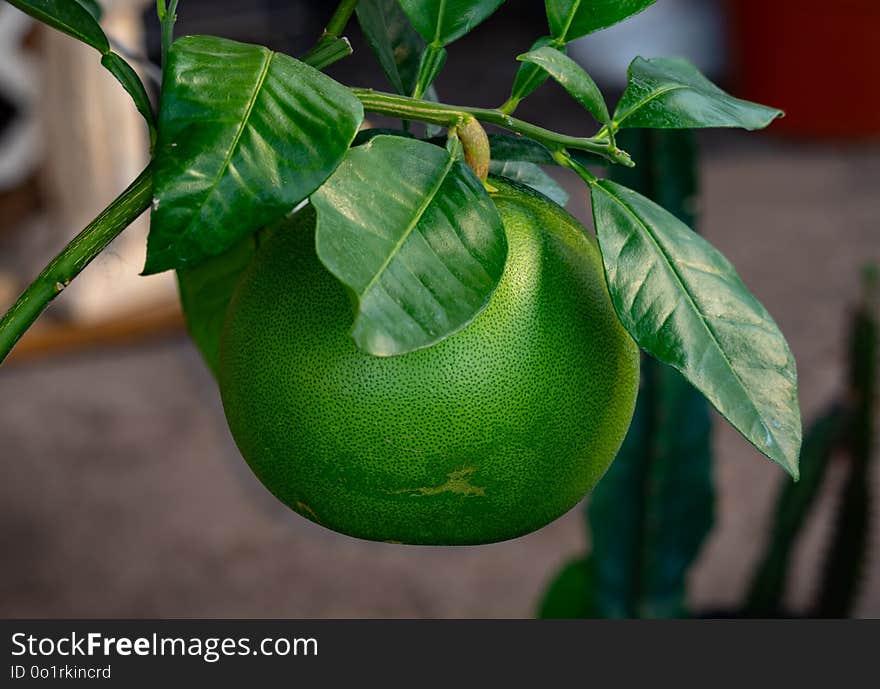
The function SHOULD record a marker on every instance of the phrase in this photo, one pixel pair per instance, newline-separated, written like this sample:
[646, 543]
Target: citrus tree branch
[73, 258]
[332, 36]
[167, 17]
[136, 199]
[565, 160]
[340, 18]
[452, 116]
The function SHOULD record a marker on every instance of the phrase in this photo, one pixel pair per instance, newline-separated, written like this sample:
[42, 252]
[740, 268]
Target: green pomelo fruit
[488, 435]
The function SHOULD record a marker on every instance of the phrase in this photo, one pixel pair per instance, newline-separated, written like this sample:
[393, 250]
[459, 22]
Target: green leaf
[532, 176]
[391, 36]
[767, 590]
[513, 147]
[416, 236]
[670, 93]
[366, 135]
[72, 18]
[132, 83]
[571, 19]
[205, 293]
[684, 303]
[79, 19]
[529, 76]
[652, 511]
[441, 22]
[572, 78]
[568, 595]
[245, 134]
[93, 7]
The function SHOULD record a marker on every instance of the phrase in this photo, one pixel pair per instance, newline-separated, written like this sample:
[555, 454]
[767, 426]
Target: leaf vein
[700, 317]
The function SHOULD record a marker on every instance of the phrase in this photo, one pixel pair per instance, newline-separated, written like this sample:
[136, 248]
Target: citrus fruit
[488, 435]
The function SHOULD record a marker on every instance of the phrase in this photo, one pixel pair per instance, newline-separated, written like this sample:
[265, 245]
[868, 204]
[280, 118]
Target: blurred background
[122, 491]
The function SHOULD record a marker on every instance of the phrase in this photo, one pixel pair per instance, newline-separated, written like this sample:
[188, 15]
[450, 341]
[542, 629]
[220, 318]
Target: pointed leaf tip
[670, 93]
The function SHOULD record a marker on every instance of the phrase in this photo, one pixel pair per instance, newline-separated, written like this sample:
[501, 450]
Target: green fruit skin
[489, 435]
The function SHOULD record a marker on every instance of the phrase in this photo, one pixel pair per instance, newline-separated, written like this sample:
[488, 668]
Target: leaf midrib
[264, 71]
[653, 96]
[671, 267]
[441, 11]
[428, 200]
[570, 20]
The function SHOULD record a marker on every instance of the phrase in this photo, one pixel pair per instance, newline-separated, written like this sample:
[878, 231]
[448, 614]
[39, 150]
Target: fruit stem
[451, 115]
[123, 211]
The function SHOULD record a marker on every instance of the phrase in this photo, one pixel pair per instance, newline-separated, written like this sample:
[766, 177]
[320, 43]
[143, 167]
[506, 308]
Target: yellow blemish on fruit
[457, 483]
[302, 507]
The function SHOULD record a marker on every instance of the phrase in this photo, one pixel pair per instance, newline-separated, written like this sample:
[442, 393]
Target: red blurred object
[819, 60]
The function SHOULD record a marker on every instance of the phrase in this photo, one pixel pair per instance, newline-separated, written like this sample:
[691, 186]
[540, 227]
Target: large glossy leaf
[414, 234]
[572, 77]
[571, 19]
[205, 292]
[684, 303]
[442, 21]
[245, 134]
[670, 93]
[532, 176]
[79, 19]
[391, 36]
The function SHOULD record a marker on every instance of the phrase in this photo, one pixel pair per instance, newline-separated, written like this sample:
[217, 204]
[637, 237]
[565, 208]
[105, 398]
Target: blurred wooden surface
[51, 337]
[96, 143]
